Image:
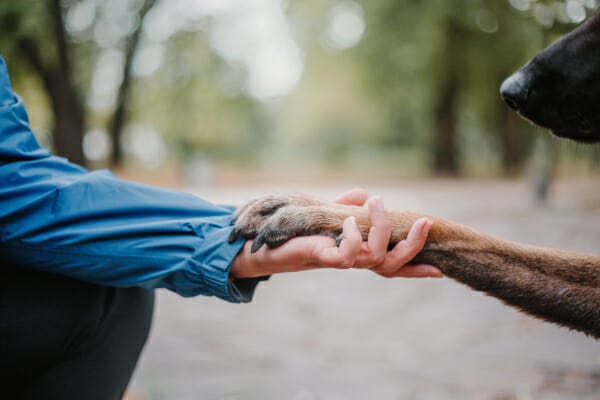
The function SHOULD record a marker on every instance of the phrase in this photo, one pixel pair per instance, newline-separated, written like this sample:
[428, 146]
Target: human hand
[373, 253]
[310, 252]
[395, 264]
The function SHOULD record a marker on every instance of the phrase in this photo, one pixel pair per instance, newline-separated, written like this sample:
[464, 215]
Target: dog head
[560, 88]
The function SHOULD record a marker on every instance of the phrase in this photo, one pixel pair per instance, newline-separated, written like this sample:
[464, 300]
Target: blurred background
[206, 89]
[230, 99]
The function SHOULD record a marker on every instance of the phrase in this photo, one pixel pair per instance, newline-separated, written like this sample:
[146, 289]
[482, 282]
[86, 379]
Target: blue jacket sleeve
[57, 217]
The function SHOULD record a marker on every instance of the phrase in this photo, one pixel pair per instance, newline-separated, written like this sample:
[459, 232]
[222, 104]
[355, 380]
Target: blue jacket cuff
[211, 263]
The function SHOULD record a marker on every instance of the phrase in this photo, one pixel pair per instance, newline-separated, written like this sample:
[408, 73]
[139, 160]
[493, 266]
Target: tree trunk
[68, 119]
[67, 110]
[119, 117]
[445, 160]
[117, 123]
[66, 105]
[510, 142]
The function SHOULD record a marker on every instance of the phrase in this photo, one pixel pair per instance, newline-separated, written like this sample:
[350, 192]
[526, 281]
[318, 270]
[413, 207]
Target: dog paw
[249, 219]
[289, 222]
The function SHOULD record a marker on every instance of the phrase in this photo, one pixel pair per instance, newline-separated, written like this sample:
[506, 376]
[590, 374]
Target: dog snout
[515, 90]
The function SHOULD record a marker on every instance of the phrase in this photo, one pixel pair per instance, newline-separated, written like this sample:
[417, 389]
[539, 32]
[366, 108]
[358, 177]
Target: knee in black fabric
[61, 338]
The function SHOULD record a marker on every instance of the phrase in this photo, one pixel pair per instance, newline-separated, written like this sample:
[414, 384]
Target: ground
[351, 335]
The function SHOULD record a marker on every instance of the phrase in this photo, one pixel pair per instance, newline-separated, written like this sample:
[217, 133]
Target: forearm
[513, 281]
[560, 286]
[112, 232]
[556, 285]
[57, 217]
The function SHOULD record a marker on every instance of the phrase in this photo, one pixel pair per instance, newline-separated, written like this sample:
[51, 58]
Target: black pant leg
[65, 339]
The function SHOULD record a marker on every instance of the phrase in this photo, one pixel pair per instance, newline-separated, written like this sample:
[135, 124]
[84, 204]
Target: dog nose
[515, 90]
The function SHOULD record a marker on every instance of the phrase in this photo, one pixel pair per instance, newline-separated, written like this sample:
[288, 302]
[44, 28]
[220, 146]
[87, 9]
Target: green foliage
[418, 65]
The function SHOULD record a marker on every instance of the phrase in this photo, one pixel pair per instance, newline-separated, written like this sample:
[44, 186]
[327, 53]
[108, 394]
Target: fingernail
[376, 202]
[435, 273]
[426, 227]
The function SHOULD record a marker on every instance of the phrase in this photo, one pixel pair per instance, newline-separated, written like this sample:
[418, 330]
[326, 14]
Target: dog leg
[559, 286]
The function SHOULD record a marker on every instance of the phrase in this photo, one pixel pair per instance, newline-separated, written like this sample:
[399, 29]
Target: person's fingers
[343, 256]
[299, 253]
[351, 243]
[407, 249]
[415, 271]
[379, 235]
[354, 197]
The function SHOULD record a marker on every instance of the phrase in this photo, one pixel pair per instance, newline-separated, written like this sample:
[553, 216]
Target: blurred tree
[404, 77]
[449, 83]
[497, 48]
[34, 32]
[444, 60]
[34, 35]
[119, 115]
[420, 48]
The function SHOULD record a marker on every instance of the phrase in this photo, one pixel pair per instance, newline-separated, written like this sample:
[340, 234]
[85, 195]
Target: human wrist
[245, 264]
